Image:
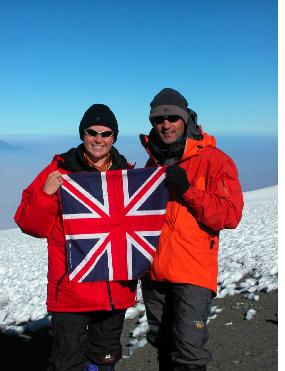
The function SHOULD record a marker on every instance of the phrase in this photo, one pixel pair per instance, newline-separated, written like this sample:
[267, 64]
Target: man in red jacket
[205, 197]
[88, 317]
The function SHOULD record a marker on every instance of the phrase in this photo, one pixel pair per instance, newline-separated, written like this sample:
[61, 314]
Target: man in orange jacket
[205, 197]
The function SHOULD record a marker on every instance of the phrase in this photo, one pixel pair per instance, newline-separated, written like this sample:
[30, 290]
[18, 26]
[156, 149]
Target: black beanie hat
[169, 102]
[98, 114]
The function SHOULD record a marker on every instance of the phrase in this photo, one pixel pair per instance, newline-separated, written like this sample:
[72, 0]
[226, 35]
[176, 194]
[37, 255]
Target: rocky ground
[237, 344]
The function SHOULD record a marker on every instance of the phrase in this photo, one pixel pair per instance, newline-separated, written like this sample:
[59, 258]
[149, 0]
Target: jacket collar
[74, 160]
[190, 147]
[193, 147]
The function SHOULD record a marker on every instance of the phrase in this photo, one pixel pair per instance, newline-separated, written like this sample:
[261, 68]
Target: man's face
[169, 128]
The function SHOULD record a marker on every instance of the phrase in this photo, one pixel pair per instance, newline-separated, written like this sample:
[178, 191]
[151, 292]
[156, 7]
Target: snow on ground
[247, 264]
[248, 255]
[23, 278]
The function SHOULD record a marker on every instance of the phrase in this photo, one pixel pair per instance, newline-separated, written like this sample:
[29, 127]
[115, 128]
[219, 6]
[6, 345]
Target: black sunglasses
[160, 119]
[94, 133]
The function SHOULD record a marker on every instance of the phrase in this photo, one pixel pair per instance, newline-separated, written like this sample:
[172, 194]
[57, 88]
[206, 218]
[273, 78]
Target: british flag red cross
[112, 221]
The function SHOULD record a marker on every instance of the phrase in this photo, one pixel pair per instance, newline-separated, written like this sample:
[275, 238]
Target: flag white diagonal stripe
[128, 199]
[142, 199]
[107, 248]
[138, 246]
[82, 202]
[86, 194]
[90, 254]
[143, 234]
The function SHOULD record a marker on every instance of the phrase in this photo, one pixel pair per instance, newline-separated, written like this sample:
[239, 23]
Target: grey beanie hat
[169, 102]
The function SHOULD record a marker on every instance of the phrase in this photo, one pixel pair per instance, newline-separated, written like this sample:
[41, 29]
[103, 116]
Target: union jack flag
[112, 221]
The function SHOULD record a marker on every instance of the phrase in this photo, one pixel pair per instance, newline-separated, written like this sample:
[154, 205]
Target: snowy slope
[247, 263]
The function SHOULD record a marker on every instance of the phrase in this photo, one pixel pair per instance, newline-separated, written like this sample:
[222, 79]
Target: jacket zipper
[110, 295]
[58, 283]
[66, 266]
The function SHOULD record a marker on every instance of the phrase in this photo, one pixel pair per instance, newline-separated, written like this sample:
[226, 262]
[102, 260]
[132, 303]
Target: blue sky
[59, 57]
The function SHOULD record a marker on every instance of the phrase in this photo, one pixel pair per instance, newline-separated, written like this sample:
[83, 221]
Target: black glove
[176, 178]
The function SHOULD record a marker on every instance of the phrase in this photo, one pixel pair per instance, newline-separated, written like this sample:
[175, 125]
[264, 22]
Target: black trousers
[86, 338]
[177, 316]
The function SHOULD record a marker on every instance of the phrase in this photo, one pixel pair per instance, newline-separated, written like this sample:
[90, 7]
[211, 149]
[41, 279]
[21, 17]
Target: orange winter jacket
[188, 246]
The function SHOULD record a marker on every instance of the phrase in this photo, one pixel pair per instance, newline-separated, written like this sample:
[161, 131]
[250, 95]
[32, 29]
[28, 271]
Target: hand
[53, 182]
[177, 178]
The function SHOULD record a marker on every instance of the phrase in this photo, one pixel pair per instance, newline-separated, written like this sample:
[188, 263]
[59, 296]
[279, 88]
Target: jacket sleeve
[220, 205]
[37, 211]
